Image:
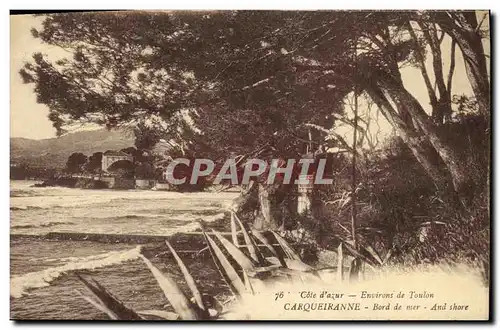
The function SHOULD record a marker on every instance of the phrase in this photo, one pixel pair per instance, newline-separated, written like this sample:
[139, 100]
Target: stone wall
[144, 184]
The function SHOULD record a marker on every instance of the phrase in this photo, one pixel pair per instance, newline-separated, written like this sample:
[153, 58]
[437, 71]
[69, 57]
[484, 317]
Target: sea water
[42, 285]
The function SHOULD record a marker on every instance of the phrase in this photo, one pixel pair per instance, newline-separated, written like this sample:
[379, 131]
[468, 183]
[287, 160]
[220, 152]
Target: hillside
[54, 152]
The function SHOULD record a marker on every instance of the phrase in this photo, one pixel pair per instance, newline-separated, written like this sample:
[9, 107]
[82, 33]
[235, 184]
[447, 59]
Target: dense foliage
[276, 84]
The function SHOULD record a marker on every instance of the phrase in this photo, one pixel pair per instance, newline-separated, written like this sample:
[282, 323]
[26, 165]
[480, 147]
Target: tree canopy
[279, 84]
[94, 163]
[232, 81]
[124, 168]
[76, 162]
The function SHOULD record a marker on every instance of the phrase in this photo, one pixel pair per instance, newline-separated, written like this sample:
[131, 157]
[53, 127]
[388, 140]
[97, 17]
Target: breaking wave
[126, 217]
[42, 225]
[174, 217]
[22, 193]
[25, 208]
[19, 285]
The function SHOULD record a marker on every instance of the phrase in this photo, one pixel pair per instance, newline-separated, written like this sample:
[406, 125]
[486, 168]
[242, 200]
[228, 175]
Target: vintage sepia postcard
[250, 165]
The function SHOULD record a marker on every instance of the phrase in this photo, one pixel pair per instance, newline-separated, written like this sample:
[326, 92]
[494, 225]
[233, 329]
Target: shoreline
[181, 238]
[127, 184]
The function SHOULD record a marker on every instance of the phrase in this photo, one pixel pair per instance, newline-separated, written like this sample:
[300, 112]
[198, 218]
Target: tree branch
[452, 66]
[420, 58]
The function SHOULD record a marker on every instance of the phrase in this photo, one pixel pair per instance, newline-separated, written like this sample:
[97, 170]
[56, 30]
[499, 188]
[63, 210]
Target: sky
[29, 119]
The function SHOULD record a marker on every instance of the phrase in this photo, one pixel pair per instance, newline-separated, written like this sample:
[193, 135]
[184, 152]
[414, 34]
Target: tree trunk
[441, 107]
[418, 143]
[475, 65]
[245, 199]
[258, 202]
[266, 219]
[469, 40]
[430, 161]
[270, 216]
[304, 199]
[448, 154]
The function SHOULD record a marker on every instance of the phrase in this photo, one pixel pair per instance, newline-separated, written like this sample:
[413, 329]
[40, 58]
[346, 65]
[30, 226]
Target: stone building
[110, 157]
